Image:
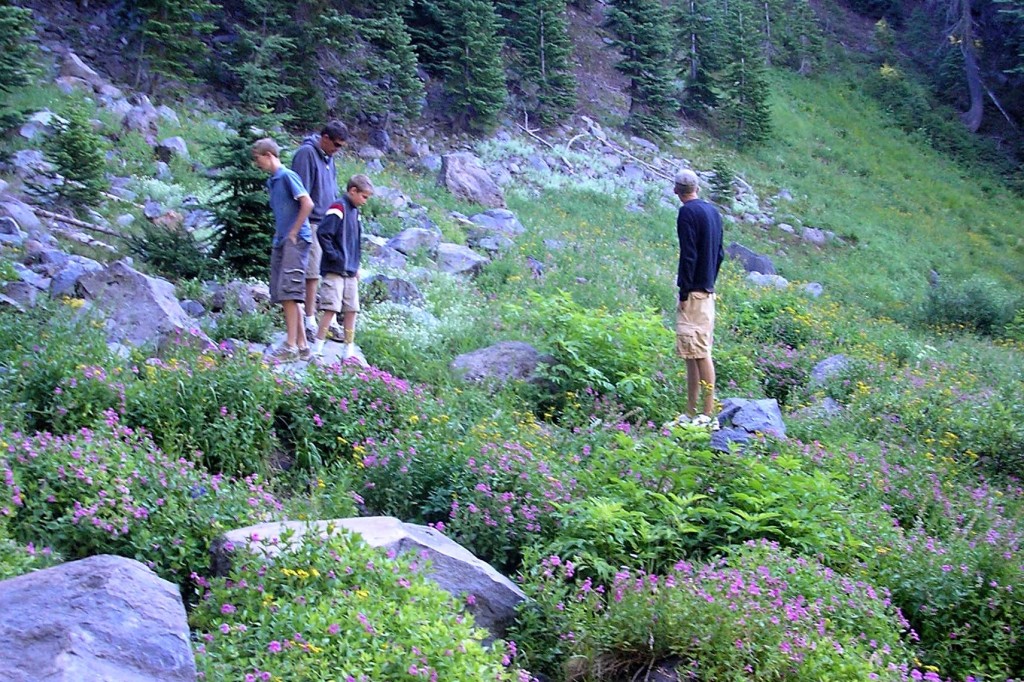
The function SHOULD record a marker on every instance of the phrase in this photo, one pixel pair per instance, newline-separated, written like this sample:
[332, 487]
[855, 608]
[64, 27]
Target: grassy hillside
[880, 540]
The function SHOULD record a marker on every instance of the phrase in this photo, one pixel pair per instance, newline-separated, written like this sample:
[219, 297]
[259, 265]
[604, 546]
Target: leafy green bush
[341, 408]
[40, 350]
[335, 609]
[620, 354]
[976, 304]
[784, 372]
[257, 327]
[17, 559]
[174, 253]
[112, 491]
[758, 613]
[661, 498]
[207, 401]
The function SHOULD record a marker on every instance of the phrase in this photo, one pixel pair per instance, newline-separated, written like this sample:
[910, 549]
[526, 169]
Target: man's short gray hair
[687, 181]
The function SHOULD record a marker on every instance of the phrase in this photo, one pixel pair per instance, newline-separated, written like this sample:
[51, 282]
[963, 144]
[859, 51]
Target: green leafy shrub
[758, 613]
[207, 401]
[112, 491]
[976, 304]
[174, 253]
[784, 372]
[653, 499]
[257, 327]
[960, 597]
[335, 609]
[17, 559]
[618, 354]
[342, 407]
[40, 350]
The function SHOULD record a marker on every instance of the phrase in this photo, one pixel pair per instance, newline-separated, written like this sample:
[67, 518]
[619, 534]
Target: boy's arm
[305, 208]
[328, 233]
[303, 164]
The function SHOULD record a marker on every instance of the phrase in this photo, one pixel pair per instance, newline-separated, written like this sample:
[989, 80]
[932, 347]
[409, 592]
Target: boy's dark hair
[336, 130]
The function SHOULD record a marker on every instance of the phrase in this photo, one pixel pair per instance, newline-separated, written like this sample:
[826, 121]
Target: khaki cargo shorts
[695, 325]
[340, 294]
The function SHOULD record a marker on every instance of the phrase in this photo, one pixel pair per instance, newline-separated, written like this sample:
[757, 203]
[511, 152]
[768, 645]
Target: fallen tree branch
[68, 220]
[550, 146]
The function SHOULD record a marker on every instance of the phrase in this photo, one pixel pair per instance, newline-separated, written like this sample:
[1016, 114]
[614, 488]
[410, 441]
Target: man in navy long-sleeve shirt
[699, 228]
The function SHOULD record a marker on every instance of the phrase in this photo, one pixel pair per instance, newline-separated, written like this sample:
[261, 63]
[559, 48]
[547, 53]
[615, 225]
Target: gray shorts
[315, 254]
[287, 271]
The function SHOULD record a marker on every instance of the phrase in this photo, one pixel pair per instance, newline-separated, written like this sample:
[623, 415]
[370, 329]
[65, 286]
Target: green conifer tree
[245, 224]
[17, 51]
[458, 41]
[642, 34]
[538, 33]
[170, 37]
[699, 26]
[741, 88]
[395, 90]
[77, 152]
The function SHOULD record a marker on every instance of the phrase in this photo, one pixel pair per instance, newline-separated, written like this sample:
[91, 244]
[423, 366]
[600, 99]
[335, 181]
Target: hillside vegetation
[880, 539]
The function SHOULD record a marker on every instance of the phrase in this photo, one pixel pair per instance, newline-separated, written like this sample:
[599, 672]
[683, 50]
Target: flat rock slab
[101, 619]
[453, 567]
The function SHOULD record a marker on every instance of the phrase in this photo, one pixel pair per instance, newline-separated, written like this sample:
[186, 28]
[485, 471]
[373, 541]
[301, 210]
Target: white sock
[318, 346]
[310, 320]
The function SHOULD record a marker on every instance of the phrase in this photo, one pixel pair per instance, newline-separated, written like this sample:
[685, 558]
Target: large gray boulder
[499, 220]
[464, 177]
[753, 416]
[101, 619]
[22, 214]
[456, 259]
[383, 288]
[453, 567]
[751, 260]
[413, 240]
[65, 277]
[503, 362]
[831, 366]
[139, 309]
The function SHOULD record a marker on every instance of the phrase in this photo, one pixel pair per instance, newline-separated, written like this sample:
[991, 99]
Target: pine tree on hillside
[458, 41]
[790, 33]
[741, 87]
[170, 37]
[395, 90]
[245, 225]
[17, 51]
[699, 26]
[641, 33]
[77, 152]
[539, 35]
[273, 63]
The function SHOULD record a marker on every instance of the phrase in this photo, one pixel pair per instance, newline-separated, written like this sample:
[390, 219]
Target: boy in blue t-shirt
[293, 238]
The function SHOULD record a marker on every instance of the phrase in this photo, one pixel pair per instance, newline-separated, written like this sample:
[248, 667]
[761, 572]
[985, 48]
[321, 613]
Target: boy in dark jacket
[340, 235]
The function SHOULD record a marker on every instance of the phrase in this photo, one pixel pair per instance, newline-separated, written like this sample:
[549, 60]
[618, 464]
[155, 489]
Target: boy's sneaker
[305, 354]
[285, 353]
[348, 350]
[311, 329]
[681, 420]
[336, 333]
[704, 421]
